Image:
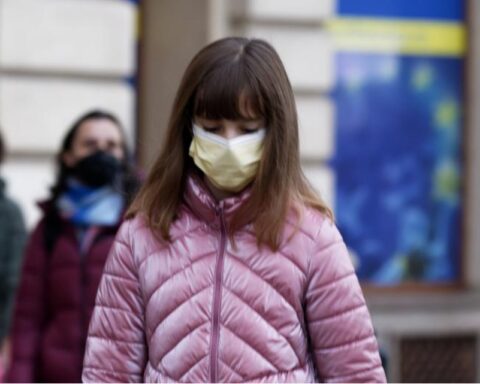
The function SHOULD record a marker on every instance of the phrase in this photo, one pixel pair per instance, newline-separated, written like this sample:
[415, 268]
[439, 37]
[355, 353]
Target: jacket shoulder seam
[304, 231]
[317, 236]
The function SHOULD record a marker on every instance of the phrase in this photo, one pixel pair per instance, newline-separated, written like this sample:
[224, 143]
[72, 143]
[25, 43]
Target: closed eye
[211, 129]
[249, 130]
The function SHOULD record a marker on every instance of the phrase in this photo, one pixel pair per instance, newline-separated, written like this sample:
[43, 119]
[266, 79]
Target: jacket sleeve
[116, 347]
[343, 343]
[11, 266]
[29, 312]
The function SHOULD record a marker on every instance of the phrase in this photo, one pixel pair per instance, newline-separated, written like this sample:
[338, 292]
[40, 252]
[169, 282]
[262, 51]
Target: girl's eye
[249, 130]
[211, 129]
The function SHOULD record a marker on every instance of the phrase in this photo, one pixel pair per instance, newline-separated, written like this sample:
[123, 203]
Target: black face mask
[97, 170]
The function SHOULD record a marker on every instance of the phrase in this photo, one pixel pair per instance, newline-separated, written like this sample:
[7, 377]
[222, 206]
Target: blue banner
[453, 10]
[398, 156]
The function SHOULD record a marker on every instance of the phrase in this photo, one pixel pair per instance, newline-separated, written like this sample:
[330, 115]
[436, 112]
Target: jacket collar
[204, 205]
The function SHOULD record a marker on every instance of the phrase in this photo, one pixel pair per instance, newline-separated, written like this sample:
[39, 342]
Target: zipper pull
[219, 209]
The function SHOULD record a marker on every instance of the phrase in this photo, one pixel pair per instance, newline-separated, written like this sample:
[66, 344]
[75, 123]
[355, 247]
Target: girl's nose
[231, 132]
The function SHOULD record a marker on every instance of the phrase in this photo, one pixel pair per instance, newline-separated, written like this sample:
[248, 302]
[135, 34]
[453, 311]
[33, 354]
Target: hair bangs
[228, 92]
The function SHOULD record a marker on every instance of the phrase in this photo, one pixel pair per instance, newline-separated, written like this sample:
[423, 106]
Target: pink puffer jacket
[200, 310]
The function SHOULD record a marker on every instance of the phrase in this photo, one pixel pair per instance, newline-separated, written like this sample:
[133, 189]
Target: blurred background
[388, 96]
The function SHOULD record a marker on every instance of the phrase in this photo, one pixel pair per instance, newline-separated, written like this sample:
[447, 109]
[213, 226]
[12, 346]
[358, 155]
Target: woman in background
[12, 240]
[66, 253]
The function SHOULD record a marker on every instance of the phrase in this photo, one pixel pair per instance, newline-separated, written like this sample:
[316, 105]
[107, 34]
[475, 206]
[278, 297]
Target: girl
[67, 251]
[230, 267]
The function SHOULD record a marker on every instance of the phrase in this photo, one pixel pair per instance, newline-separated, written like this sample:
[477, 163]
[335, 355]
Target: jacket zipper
[217, 297]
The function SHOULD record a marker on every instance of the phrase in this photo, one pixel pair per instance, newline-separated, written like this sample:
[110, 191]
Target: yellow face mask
[229, 164]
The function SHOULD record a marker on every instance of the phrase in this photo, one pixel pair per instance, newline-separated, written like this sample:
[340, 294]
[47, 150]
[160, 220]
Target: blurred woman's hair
[129, 183]
[233, 78]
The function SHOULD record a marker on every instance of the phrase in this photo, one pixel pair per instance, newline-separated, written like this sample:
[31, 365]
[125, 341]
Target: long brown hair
[220, 79]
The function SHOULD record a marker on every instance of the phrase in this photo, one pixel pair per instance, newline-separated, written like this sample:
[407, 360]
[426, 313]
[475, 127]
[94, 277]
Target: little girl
[230, 268]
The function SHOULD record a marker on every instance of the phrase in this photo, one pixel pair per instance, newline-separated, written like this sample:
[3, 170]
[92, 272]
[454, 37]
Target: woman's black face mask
[97, 170]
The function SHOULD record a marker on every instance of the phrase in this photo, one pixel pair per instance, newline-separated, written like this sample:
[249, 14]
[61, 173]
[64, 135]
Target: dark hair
[225, 79]
[130, 179]
[2, 148]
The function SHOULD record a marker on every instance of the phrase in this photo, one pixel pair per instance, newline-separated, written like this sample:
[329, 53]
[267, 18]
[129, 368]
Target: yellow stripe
[395, 36]
[138, 23]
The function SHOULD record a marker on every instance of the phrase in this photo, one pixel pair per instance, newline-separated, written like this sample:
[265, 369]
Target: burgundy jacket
[198, 309]
[54, 303]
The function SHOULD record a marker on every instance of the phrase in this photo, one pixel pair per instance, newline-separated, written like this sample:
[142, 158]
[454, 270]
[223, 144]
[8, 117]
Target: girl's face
[230, 129]
[94, 135]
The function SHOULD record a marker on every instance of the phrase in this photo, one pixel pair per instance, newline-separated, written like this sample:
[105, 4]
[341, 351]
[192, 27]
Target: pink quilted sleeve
[343, 343]
[116, 348]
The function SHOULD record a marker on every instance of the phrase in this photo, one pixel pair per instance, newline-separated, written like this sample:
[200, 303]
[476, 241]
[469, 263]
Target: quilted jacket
[55, 299]
[199, 309]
